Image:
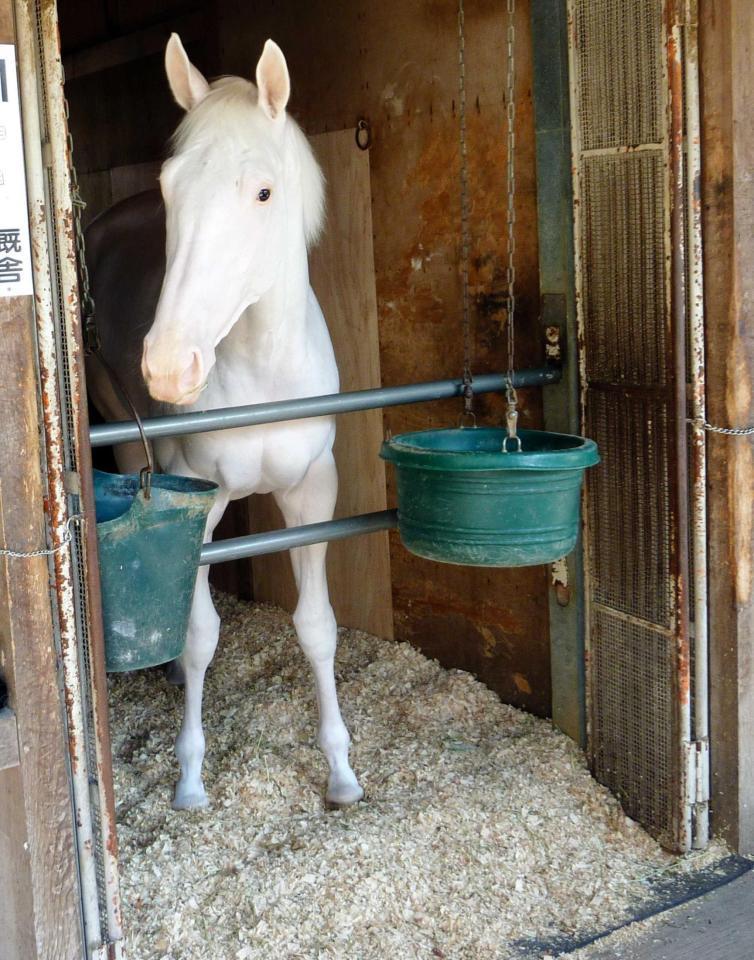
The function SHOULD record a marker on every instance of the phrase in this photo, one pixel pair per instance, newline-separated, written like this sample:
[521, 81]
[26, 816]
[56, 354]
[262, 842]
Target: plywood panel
[17, 940]
[342, 273]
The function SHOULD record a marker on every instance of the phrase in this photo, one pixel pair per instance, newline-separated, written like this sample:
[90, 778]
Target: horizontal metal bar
[257, 544]
[252, 414]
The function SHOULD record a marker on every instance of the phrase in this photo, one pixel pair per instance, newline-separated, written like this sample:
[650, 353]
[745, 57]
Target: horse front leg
[312, 501]
[201, 642]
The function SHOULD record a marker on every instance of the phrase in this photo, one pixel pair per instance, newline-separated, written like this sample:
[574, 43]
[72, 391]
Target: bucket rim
[415, 450]
[170, 493]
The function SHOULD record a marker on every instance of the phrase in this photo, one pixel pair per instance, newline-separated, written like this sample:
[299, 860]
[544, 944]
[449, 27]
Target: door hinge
[697, 772]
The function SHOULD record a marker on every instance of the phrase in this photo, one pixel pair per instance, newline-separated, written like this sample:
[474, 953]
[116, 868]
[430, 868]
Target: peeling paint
[560, 573]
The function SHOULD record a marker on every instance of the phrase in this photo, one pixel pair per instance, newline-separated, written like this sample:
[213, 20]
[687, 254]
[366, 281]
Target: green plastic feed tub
[148, 558]
[461, 499]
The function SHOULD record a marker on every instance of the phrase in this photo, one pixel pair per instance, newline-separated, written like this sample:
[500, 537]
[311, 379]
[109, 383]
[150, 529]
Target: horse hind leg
[313, 500]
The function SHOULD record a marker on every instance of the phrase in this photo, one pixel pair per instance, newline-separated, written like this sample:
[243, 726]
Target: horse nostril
[144, 364]
[191, 378]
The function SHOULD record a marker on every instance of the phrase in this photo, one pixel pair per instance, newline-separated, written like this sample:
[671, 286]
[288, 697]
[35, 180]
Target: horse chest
[254, 459]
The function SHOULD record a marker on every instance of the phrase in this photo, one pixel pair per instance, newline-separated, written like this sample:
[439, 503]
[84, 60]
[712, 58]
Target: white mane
[230, 111]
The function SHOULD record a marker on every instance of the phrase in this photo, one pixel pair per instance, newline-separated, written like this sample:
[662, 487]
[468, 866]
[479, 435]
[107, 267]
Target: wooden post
[727, 76]
[40, 910]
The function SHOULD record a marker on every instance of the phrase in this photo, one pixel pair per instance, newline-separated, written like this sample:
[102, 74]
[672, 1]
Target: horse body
[203, 302]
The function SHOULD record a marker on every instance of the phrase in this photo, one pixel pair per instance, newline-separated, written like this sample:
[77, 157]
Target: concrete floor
[716, 926]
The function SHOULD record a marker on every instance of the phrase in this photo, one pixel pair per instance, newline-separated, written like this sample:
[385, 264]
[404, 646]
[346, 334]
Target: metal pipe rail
[174, 425]
[257, 544]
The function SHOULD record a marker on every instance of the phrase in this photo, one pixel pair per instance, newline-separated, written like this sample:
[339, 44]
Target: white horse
[218, 280]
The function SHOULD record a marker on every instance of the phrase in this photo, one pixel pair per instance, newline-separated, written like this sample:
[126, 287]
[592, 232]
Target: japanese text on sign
[15, 259]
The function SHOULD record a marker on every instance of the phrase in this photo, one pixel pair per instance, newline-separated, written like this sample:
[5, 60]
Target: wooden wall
[395, 64]
[727, 194]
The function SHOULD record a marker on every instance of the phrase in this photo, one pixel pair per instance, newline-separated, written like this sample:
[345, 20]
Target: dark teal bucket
[148, 557]
[462, 500]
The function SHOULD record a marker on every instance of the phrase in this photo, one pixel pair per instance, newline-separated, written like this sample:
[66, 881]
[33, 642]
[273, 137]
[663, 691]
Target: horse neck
[273, 331]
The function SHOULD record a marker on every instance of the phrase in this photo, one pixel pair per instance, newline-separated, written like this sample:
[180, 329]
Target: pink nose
[171, 376]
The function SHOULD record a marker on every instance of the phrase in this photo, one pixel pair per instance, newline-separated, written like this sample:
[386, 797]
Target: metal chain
[511, 415]
[28, 554]
[511, 187]
[728, 431]
[468, 389]
[91, 337]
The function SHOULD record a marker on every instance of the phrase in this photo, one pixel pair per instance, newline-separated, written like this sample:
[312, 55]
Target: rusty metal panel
[625, 298]
[618, 72]
[629, 505]
[629, 186]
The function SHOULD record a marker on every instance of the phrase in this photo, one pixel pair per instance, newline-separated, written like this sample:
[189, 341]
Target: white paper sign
[15, 255]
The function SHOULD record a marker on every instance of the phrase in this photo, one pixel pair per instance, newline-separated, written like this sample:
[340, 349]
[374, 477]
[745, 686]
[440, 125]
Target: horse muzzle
[170, 381]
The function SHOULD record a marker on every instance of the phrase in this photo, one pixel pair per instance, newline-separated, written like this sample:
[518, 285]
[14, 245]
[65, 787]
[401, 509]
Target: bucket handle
[511, 422]
[145, 474]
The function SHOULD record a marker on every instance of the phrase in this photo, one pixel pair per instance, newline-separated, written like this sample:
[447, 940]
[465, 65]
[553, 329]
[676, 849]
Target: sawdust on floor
[481, 825]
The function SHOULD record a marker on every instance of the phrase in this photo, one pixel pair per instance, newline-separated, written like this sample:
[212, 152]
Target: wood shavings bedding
[481, 825]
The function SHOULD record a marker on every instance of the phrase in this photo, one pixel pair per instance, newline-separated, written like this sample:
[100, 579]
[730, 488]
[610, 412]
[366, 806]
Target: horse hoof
[343, 795]
[190, 801]
[174, 673]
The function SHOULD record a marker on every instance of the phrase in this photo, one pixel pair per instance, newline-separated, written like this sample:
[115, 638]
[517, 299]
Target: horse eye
[264, 195]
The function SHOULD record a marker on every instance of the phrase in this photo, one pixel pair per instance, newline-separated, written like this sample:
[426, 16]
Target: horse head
[243, 195]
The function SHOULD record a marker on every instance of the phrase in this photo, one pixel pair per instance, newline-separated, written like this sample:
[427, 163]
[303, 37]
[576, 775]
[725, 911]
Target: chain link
[48, 552]
[468, 390]
[511, 190]
[511, 415]
[91, 337]
[728, 431]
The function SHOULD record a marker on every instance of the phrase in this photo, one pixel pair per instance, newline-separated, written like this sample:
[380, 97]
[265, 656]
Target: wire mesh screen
[625, 312]
[631, 751]
[618, 72]
[623, 221]
[628, 507]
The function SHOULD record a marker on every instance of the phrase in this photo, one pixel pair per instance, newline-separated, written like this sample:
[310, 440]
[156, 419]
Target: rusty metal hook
[363, 134]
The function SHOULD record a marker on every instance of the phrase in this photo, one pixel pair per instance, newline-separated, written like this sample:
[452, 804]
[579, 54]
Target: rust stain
[682, 646]
[435, 595]
[489, 641]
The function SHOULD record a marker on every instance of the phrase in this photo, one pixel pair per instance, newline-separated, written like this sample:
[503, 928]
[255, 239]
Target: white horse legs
[312, 501]
[201, 641]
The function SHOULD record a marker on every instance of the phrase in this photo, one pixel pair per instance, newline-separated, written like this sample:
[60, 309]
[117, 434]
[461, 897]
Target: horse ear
[273, 81]
[186, 82]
